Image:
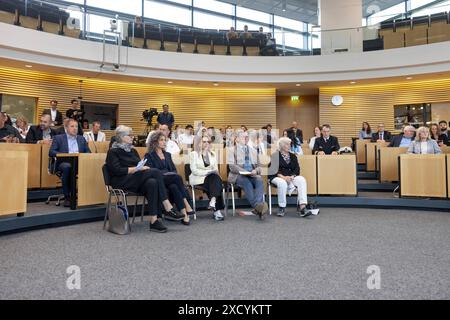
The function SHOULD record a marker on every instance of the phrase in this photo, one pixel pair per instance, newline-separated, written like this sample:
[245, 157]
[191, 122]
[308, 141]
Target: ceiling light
[28, 66]
[409, 78]
[298, 85]
[169, 82]
[216, 84]
[352, 82]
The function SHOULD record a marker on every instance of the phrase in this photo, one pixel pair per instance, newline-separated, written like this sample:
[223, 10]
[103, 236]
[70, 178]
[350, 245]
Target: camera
[147, 115]
[114, 24]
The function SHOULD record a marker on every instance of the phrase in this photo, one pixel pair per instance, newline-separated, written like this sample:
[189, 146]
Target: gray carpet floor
[323, 257]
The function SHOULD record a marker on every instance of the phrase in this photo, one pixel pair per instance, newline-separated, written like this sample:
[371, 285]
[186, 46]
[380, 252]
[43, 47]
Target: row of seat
[416, 31]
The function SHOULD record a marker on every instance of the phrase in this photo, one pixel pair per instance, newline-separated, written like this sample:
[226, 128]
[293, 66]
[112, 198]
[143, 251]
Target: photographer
[166, 117]
[76, 114]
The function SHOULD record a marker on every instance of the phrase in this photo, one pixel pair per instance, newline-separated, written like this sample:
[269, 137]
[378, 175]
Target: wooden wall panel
[217, 106]
[375, 104]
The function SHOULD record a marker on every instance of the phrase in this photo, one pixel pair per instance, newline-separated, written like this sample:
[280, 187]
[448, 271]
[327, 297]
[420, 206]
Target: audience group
[156, 175]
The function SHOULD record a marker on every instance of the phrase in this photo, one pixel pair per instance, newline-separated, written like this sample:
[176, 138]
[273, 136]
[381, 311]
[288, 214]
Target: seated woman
[158, 158]
[441, 139]
[317, 134]
[122, 163]
[284, 173]
[366, 131]
[205, 172]
[423, 144]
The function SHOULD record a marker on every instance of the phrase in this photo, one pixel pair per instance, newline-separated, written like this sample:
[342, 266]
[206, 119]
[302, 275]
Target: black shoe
[190, 213]
[281, 212]
[67, 203]
[304, 213]
[186, 223]
[173, 215]
[157, 226]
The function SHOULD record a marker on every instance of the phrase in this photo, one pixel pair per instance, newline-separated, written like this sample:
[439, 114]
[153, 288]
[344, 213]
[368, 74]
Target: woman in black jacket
[128, 173]
[158, 158]
[285, 175]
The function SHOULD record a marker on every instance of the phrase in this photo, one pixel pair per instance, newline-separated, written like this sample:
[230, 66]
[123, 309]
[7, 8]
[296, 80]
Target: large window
[166, 12]
[437, 8]
[97, 24]
[251, 26]
[386, 14]
[129, 6]
[289, 39]
[289, 23]
[186, 2]
[214, 5]
[19, 106]
[209, 21]
[254, 15]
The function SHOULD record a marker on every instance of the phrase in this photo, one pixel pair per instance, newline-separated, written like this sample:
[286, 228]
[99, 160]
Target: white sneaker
[212, 204]
[218, 216]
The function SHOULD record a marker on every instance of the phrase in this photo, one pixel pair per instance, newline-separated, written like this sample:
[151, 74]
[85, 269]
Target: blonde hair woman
[423, 144]
[22, 126]
[204, 167]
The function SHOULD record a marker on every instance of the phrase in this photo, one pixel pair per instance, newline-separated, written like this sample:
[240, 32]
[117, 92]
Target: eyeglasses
[207, 141]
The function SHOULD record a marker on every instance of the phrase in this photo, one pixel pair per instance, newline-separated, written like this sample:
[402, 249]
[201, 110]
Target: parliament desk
[445, 149]
[361, 150]
[142, 151]
[308, 170]
[14, 170]
[371, 152]
[91, 186]
[336, 175]
[47, 180]
[423, 175]
[98, 147]
[388, 159]
[34, 160]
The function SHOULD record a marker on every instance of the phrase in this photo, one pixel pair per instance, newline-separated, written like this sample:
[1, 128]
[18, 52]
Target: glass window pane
[75, 1]
[253, 15]
[419, 3]
[167, 12]
[291, 39]
[437, 8]
[97, 24]
[209, 21]
[214, 5]
[251, 26]
[186, 2]
[386, 14]
[18, 105]
[289, 23]
[130, 6]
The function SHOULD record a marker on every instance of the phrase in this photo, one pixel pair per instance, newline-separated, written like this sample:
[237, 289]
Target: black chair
[187, 37]
[373, 44]
[403, 23]
[52, 171]
[171, 37]
[111, 191]
[387, 25]
[421, 20]
[203, 39]
[250, 43]
[235, 43]
[437, 17]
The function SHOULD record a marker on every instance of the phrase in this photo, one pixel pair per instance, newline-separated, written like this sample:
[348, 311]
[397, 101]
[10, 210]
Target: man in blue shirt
[404, 139]
[68, 142]
[166, 117]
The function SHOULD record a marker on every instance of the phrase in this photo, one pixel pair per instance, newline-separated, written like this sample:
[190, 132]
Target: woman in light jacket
[423, 144]
[205, 172]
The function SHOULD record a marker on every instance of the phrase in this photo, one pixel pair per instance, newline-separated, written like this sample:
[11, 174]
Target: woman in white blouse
[205, 173]
[22, 126]
[423, 144]
[317, 134]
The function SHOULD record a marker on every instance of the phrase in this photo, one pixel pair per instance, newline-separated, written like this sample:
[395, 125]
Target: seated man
[69, 142]
[246, 34]
[326, 144]
[42, 133]
[232, 34]
[404, 139]
[381, 135]
[95, 134]
[245, 172]
[7, 132]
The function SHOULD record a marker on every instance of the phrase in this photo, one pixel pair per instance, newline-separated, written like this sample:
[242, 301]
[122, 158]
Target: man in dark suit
[296, 135]
[55, 115]
[166, 117]
[326, 144]
[403, 139]
[41, 133]
[69, 142]
[382, 135]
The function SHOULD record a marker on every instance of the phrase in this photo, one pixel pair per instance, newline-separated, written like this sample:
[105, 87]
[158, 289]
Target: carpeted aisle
[325, 257]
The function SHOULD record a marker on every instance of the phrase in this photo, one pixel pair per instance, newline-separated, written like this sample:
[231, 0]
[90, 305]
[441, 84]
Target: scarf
[125, 146]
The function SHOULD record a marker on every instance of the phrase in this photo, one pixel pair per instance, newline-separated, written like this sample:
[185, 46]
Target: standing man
[296, 136]
[95, 134]
[55, 115]
[326, 144]
[382, 135]
[75, 113]
[166, 117]
[69, 142]
[42, 133]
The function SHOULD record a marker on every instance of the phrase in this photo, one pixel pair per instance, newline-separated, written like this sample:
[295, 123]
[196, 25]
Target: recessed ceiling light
[298, 85]
[409, 78]
[216, 84]
[169, 82]
[352, 82]
[28, 66]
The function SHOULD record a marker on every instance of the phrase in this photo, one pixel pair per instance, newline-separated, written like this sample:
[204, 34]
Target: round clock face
[337, 100]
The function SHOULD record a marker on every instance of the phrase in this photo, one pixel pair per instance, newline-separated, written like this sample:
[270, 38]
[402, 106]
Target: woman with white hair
[128, 173]
[423, 144]
[284, 173]
[205, 173]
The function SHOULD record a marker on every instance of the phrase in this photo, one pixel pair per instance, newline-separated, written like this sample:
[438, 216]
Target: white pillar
[341, 26]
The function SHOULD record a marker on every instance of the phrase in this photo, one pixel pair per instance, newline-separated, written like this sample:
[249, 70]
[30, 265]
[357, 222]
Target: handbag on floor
[118, 217]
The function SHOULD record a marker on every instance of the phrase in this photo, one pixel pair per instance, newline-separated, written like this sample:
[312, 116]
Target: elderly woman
[159, 159]
[284, 173]
[205, 172]
[128, 173]
[423, 144]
